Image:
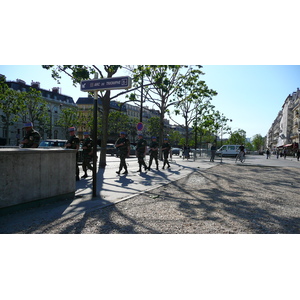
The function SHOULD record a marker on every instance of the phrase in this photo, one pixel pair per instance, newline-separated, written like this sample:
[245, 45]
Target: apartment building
[55, 101]
[284, 132]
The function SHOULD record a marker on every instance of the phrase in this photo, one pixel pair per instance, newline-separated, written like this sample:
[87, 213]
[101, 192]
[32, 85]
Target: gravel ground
[223, 199]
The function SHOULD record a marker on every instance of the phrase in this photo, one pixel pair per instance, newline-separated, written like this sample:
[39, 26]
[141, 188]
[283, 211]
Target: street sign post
[140, 126]
[95, 85]
[113, 83]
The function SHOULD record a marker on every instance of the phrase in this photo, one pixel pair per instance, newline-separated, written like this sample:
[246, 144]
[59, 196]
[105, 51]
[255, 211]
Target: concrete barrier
[30, 176]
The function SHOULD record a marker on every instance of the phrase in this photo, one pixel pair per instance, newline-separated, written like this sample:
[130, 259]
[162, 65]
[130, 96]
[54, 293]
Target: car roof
[54, 140]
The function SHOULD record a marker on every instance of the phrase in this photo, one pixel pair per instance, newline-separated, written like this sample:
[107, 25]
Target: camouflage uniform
[87, 155]
[33, 137]
[123, 148]
[140, 153]
[74, 141]
[166, 147]
[153, 153]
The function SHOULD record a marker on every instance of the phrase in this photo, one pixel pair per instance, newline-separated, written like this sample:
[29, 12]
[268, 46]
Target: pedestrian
[87, 153]
[186, 152]
[268, 153]
[284, 153]
[141, 148]
[277, 153]
[32, 137]
[166, 147]
[73, 143]
[213, 150]
[298, 154]
[153, 152]
[123, 146]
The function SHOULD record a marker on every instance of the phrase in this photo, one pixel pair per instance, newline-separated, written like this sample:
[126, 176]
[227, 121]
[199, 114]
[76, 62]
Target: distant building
[56, 102]
[284, 131]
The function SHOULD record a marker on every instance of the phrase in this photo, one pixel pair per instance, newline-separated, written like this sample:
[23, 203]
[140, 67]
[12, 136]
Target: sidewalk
[113, 188]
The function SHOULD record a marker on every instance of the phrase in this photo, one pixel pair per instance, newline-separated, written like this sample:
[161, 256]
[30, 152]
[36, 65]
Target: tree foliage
[11, 103]
[34, 108]
[237, 137]
[258, 142]
[77, 73]
[162, 85]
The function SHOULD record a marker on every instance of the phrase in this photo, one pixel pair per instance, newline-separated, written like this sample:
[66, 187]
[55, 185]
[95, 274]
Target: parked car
[52, 143]
[229, 150]
[176, 151]
[111, 149]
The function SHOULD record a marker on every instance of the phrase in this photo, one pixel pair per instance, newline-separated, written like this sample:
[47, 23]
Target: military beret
[29, 124]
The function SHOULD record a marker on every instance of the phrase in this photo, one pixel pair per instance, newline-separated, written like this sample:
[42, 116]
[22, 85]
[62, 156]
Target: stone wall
[28, 175]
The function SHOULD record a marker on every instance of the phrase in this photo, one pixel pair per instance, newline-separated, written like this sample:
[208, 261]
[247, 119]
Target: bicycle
[241, 157]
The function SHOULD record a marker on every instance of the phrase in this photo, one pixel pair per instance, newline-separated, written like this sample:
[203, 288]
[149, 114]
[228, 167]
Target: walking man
[166, 147]
[123, 145]
[153, 152]
[141, 148]
[213, 150]
[87, 153]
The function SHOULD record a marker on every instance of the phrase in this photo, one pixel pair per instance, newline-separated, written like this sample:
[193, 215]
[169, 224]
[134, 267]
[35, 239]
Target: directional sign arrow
[113, 83]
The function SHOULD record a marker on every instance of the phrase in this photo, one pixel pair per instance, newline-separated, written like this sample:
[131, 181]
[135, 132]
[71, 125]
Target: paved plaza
[113, 189]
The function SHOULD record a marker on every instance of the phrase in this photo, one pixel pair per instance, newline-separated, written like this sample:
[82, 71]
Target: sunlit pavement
[113, 188]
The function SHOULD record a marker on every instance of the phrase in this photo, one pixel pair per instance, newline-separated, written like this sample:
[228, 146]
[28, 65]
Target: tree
[237, 137]
[68, 118]
[152, 126]
[10, 103]
[217, 124]
[117, 121]
[35, 109]
[162, 83]
[195, 105]
[77, 73]
[258, 142]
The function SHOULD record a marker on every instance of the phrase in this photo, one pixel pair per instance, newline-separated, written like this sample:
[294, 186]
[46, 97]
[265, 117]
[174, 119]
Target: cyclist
[242, 150]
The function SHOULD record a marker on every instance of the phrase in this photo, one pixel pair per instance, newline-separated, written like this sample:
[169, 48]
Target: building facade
[284, 132]
[55, 102]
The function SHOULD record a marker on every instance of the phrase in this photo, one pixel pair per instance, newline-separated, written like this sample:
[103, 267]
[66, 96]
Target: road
[113, 188]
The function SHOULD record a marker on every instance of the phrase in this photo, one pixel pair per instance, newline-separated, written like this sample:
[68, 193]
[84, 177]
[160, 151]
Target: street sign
[113, 83]
[140, 126]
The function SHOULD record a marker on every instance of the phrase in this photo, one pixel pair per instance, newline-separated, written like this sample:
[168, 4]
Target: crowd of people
[123, 145]
[32, 140]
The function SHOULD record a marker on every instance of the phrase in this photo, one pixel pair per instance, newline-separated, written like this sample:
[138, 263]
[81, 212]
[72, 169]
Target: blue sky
[250, 95]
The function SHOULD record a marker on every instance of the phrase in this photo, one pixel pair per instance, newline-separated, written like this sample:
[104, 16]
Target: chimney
[35, 84]
[56, 90]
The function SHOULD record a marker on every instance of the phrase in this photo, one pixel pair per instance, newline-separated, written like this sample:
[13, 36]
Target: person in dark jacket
[32, 137]
[123, 146]
[141, 148]
[166, 147]
[87, 153]
[153, 152]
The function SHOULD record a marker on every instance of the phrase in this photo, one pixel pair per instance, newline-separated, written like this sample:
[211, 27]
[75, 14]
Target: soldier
[32, 137]
[123, 145]
[87, 153]
[153, 152]
[166, 147]
[73, 143]
[141, 148]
